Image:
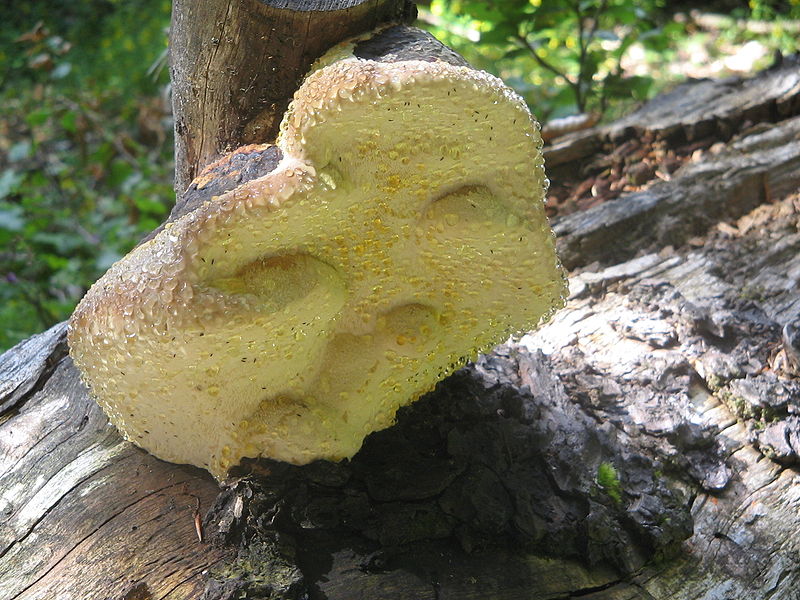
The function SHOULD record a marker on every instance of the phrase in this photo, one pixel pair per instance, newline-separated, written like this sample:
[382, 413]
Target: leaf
[661, 38]
[608, 480]
[103, 153]
[20, 151]
[517, 53]
[564, 102]
[590, 65]
[119, 173]
[150, 207]
[636, 86]
[622, 14]
[626, 43]
[500, 34]
[38, 117]
[62, 70]
[9, 182]
[54, 261]
[68, 120]
[12, 218]
[64, 243]
[641, 85]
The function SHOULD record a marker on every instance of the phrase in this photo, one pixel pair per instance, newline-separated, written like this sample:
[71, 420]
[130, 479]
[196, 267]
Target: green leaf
[119, 172]
[516, 53]
[622, 14]
[637, 86]
[54, 262]
[564, 103]
[68, 120]
[660, 39]
[150, 206]
[38, 117]
[500, 34]
[64, 243]
[103, 153]
[641, 86]
[627, 41]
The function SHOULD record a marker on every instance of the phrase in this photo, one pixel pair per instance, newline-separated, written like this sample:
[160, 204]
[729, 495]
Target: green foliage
[770, 10]
[85, 159]
[780, 16]
[572, 56]
[608, 479]
[563, 56]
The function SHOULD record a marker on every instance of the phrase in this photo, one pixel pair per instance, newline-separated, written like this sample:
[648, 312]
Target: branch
[583, 44]
[542, 62]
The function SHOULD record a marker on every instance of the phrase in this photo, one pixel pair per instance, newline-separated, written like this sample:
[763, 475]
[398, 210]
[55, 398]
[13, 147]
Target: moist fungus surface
[401, 233]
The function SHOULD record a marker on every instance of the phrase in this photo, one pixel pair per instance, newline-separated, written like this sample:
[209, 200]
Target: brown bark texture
[643, 444]
[236, 63]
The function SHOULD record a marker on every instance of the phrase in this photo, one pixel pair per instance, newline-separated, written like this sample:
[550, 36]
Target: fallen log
[643, 444]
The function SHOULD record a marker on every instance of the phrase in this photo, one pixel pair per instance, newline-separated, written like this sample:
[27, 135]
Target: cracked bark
[641, 445]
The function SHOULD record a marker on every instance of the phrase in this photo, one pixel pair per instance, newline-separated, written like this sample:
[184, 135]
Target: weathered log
[693, 111]
[641, 445]
[665, 388]
[84, 513]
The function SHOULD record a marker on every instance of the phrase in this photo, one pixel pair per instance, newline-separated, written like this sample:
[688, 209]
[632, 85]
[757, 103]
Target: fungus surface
[400, 233]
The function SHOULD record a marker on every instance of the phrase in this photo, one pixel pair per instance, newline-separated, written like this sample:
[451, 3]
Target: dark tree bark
[236, 64]
[644, 444]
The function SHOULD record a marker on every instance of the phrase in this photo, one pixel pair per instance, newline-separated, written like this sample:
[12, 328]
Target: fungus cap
[401, 233]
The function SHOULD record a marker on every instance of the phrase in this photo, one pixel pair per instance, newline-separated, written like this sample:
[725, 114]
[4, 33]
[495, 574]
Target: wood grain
[84, 513]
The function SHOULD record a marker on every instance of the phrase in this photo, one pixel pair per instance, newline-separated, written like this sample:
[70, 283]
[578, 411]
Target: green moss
[714, 382]
[745, 411]
[262, 571]
[608, 480]
[768, 451]
[757, 293]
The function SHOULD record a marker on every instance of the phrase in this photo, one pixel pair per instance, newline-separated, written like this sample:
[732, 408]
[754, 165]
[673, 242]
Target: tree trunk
[236, 64]
[643, 444]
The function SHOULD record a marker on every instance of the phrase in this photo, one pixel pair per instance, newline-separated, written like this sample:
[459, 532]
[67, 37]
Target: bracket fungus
[400, 233]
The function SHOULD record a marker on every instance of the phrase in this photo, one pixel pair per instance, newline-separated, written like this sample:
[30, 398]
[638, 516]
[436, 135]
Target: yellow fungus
[295, 314]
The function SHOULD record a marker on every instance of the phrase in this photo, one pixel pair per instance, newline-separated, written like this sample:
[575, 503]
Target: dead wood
[644, 444]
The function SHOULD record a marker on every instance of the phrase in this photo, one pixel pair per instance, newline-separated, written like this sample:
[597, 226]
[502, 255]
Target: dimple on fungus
[401, 233]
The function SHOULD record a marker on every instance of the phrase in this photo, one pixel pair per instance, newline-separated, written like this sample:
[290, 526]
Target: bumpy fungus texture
[401, 234]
